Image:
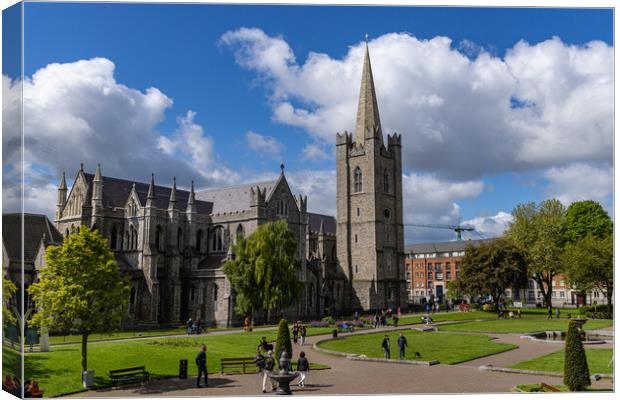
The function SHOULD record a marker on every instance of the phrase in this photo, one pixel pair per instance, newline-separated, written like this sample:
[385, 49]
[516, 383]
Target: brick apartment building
[430, 266]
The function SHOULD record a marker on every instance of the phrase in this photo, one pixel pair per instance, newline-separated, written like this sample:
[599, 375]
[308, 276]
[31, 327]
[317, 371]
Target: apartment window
[355, 238]
[430, 275]
[438, 276]
[562, 294]
[358, 211]
[448, 275]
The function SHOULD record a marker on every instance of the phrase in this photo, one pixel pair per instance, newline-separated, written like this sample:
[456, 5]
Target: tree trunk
[84, 346]
[610, 294]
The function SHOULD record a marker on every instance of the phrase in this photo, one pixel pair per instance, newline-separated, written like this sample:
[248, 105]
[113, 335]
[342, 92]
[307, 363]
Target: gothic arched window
[159, 236]
[217, 239]
[113, 238]
[386, 181]
[179, 238]
[240, 233]
[199, 240]
[357, 178]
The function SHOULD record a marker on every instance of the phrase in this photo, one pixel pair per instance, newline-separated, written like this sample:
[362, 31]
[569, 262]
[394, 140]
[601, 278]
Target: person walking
[190, 323]
[201, 362]
[376, 320]
[303, 334]
[269, 365]
[549, 313]
[303, 366]
[557, 313]
[402, 343]
[385, 344]
[295, 333]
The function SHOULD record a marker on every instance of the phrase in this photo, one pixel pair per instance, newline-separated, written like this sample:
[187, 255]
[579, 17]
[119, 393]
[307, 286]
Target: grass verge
[598, 362]
[445, 347]
[522, 325]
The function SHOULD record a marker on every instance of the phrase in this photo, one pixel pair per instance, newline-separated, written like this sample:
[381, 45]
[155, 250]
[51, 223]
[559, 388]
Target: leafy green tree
[576, 371]
[263, 272]
[8, 290]
[590, 264]
[539, 232]
[283, 341]
[587, 218]
[80, 288]
[491, 268]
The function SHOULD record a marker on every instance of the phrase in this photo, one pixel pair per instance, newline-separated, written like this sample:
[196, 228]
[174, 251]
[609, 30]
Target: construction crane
[456, 228]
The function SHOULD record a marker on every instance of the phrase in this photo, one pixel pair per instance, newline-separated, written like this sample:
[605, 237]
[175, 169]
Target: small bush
[603, 308]
[283, 341]
[487, 307]
[330, 320]
[598, 315]
[576, 371]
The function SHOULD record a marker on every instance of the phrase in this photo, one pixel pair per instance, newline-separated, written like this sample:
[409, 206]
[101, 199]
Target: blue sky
[182, 51]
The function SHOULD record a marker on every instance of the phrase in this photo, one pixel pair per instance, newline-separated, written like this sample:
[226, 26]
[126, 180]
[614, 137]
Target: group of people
[12, 385]
[299, 333]
[194, 327]
[266, 364]
[401, 342]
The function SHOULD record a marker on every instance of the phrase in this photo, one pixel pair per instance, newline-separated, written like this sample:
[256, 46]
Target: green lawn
[445, 347]
[59, 370]
[446, 316]
[11, 362]
[521, 325]
[598, 361]
[536, 387]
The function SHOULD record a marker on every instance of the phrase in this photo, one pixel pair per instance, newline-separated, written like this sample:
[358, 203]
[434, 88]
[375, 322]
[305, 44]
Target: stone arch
[217, 239]
[357, 179]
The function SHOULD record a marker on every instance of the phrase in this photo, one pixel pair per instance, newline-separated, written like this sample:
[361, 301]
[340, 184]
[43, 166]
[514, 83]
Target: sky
[496, 106]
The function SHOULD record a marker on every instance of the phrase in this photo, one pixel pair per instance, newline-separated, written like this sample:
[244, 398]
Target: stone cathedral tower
[370, 239]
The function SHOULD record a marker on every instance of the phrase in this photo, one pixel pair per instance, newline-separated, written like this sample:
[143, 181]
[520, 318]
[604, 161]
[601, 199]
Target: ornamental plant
[283, 341]
[576, 371]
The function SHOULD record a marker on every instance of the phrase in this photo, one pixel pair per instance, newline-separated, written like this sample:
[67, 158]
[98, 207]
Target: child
[303, 366]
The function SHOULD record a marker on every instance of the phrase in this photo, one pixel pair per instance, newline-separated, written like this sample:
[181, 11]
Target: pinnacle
[368, 124]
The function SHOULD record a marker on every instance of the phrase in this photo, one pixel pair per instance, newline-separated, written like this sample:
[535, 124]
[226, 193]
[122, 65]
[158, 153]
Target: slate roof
[441, 247]
[234, 198]
[329, 223]
[35, 226]
[116, 191]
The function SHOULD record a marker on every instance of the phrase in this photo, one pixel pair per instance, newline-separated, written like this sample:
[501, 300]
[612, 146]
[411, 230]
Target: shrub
[329, 320]
[603, 308]
[576, 371]
[283, 341]
[598, 315]
[487, 307]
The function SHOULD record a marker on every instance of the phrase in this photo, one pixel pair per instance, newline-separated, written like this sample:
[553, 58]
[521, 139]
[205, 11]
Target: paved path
[362, 377]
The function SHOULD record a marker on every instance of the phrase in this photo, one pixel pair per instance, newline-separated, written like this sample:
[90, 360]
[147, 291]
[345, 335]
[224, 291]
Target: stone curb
[519, 371]
[529, 372]
[371, 359]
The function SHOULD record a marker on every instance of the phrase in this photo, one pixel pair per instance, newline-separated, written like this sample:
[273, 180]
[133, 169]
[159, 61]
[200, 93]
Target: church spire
[368, 124]
[173, 193]
[151, 194]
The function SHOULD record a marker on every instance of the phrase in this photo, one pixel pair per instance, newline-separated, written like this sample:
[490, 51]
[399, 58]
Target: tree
[283, 341]
[576, 371]
[539, 232]
[587, 218]
[80, 288]
[590, 265]
[8, 290]
[491, 268]
[263, 272]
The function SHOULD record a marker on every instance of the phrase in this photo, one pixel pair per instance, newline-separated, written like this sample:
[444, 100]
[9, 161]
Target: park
[462, 344]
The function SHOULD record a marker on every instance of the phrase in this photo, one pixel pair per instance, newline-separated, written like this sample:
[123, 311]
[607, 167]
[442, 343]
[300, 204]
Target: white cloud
[315, 152]
[542, 105]
[77, 112]
[263, 144]
[489, 226]
[580, 182]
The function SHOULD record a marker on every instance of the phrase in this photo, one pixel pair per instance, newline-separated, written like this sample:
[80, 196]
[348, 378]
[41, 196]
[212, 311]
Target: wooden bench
[243, 362]
[548, 387]
[134, 374]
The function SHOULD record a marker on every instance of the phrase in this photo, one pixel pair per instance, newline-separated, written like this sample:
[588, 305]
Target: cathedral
[173, 242]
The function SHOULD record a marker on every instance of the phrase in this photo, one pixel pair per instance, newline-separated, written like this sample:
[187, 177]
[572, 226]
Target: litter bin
[335, 333]
[183, 369]
[88, 378]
